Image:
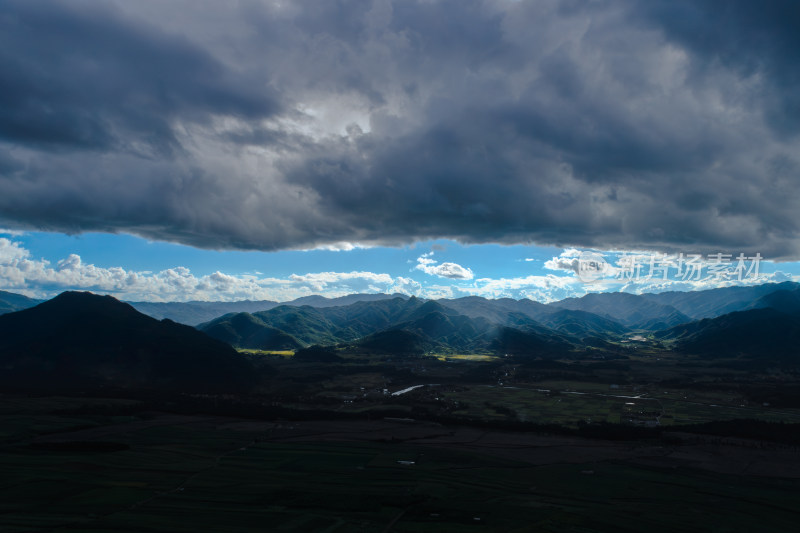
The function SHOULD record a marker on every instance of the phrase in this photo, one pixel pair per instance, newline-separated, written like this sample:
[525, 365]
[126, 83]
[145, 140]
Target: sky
[179, 150]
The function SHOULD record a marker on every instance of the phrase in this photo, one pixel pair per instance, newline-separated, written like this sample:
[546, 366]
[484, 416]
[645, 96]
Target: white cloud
[38, 278]
[20, 272]
[11, 251]
[708, 282]
[443, 270]
[407, 286]
[547, 288]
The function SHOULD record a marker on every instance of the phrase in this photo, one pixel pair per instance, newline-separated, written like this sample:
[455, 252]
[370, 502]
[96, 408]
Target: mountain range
[733, 320]
[474, 324]
[196, 312]
[644, 311]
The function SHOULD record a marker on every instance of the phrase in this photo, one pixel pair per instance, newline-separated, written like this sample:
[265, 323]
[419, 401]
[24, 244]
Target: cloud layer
[660, 125]
[22, 273]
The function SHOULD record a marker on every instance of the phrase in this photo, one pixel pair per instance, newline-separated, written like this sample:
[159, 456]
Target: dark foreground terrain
[112, 421]
[112, 465]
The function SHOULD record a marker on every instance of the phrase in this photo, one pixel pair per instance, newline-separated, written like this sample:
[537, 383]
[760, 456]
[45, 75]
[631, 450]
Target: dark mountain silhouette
[528, 343]
[766, 333]
[396, 342]
[83, 341]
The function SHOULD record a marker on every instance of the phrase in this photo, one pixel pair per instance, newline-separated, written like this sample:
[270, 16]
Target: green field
[464, 357]
[251, 351]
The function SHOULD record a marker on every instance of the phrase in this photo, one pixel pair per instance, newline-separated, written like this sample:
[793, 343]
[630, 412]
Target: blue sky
[135, 253]
[42, 264]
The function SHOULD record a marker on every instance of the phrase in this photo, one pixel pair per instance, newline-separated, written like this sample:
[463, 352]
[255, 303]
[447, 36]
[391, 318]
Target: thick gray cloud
[656, 125]
[87, 78]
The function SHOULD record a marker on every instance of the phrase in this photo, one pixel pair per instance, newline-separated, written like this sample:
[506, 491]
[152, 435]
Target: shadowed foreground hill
[765, 333]
[80, 340]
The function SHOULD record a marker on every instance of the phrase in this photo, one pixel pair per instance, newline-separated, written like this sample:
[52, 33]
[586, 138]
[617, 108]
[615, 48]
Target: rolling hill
[396, 326]
[397, 342]
[518, 342]
[248, 331]
[583, 324]
[83, 341]
[309, 325]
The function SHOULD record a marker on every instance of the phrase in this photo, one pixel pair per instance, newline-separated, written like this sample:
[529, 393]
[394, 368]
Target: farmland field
[162, 472]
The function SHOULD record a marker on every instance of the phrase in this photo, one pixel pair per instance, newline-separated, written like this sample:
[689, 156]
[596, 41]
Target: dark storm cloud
[753, 39]
[653, 125]
[87, 78]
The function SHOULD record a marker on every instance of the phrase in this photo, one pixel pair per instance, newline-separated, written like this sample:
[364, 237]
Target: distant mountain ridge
[194, 313]
[631, 310]
[11, 302]
[712, 303]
